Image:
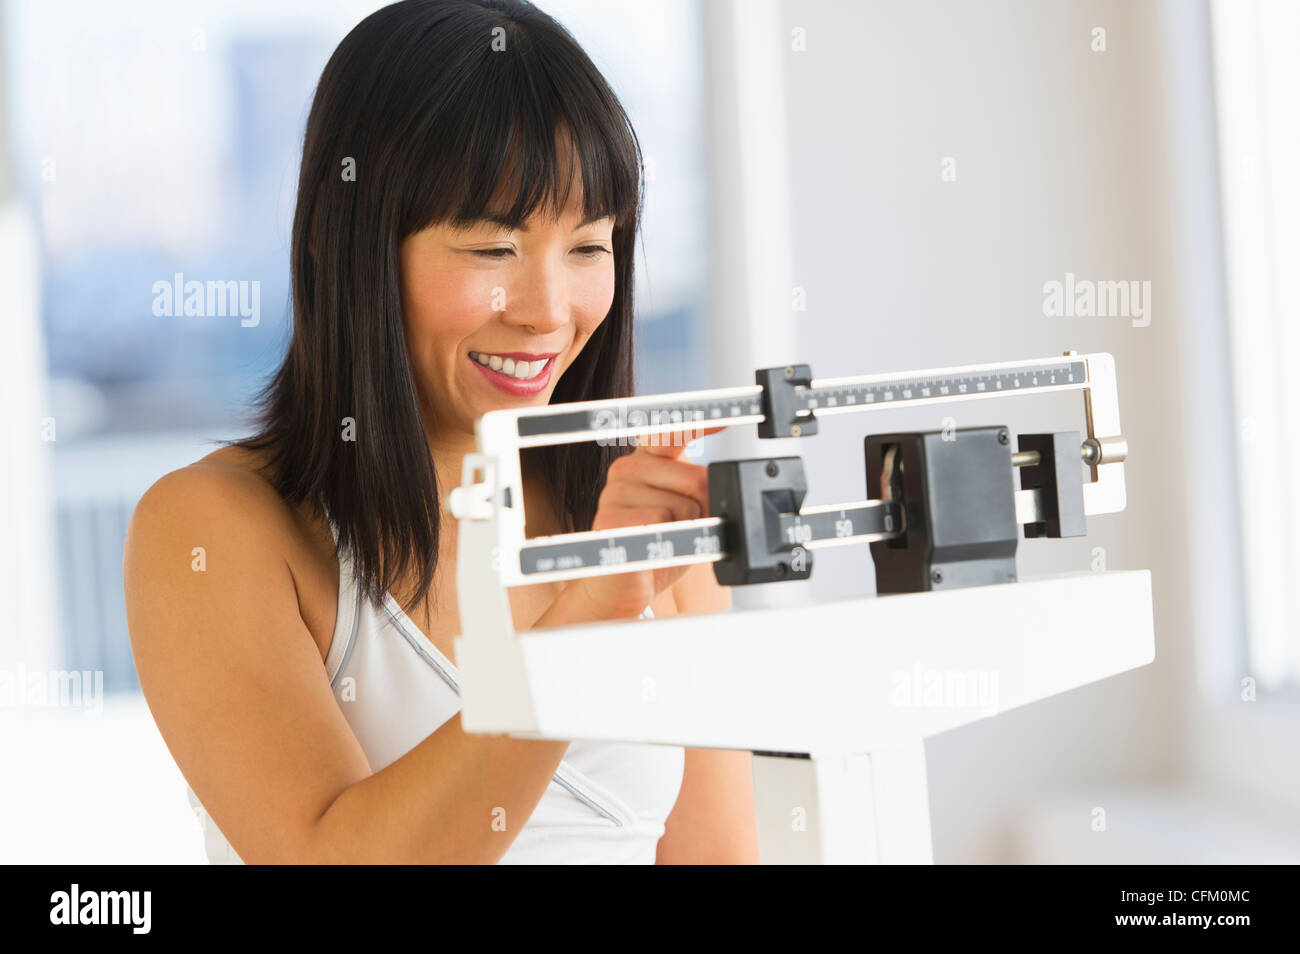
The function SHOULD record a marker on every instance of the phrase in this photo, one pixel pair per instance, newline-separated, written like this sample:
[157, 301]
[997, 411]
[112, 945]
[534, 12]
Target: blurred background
[863, 187]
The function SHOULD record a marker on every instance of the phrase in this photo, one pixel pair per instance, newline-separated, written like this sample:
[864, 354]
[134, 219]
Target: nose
[540, 300]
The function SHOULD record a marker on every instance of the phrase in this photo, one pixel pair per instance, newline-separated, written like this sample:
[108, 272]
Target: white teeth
[522, 370]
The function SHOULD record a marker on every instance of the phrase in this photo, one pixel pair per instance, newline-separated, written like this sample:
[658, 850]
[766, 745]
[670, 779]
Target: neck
[448, 450]
[448, 447]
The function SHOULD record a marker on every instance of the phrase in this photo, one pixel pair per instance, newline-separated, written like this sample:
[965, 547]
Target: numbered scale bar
[836, 395]
[616, 417]
[594, 420]
[682, 542]
[698, 541]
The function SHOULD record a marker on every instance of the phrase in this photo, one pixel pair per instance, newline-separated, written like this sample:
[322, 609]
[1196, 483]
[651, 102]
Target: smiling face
[495, 316]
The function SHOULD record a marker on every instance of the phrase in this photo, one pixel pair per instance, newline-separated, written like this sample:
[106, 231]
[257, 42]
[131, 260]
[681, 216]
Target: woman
[463, 240]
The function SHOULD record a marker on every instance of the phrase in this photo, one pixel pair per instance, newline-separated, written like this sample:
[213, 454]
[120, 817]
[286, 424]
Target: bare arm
[713, 821]
[237, 687]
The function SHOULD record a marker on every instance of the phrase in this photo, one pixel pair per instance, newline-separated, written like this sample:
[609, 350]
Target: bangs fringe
[534, 112]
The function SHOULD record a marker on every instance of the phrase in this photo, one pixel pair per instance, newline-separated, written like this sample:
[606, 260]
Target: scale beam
[492, 479]
[569, 556]
[661, 413]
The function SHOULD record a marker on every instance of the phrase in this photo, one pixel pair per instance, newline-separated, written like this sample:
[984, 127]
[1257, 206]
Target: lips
[520, 364]
[509, 384]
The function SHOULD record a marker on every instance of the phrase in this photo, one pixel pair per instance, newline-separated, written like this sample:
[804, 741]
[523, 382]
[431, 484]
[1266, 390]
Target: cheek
[445, 306]
[594, 294]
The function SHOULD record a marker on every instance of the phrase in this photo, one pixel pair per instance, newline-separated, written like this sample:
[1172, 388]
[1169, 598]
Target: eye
[592, 251]
[495, 254]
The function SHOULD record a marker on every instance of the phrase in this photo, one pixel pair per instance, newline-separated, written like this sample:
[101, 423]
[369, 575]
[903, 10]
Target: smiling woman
[475, 253]
[534, 166]
[475, 290]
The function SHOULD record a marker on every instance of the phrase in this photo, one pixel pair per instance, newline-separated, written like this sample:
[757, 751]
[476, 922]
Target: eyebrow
[500, 220]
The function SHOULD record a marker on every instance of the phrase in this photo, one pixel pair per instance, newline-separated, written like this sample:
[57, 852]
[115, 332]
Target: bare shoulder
[214, 525]
[230, 666]
[222, 497]
[698, 591]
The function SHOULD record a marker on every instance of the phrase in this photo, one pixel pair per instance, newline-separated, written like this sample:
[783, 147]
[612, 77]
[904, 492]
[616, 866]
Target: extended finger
[671, 444]
[678, 476]
[631, 495]
[613, 518]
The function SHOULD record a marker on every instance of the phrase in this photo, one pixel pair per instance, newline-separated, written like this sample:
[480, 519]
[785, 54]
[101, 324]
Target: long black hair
[426, 102]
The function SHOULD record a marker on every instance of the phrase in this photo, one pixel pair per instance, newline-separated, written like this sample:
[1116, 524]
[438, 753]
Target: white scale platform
[856, 684]
[859, 683]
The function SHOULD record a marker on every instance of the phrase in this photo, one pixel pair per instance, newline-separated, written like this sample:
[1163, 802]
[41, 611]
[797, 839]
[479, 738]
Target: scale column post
[862, 808]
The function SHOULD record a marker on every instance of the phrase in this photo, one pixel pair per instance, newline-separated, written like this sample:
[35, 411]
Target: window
[1257, 78]
[154, 141]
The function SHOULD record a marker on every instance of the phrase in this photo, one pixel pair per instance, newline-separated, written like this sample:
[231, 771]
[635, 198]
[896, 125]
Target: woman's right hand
[650, 485]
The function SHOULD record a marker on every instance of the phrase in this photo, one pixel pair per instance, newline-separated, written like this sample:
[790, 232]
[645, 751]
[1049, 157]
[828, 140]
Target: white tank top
[606, 803]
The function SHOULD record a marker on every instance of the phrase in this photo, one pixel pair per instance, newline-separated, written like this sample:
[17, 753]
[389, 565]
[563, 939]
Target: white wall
[1067, 160]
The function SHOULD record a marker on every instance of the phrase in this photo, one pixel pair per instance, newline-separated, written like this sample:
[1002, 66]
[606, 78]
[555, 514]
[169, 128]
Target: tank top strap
[349, 608]
[346, 572]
